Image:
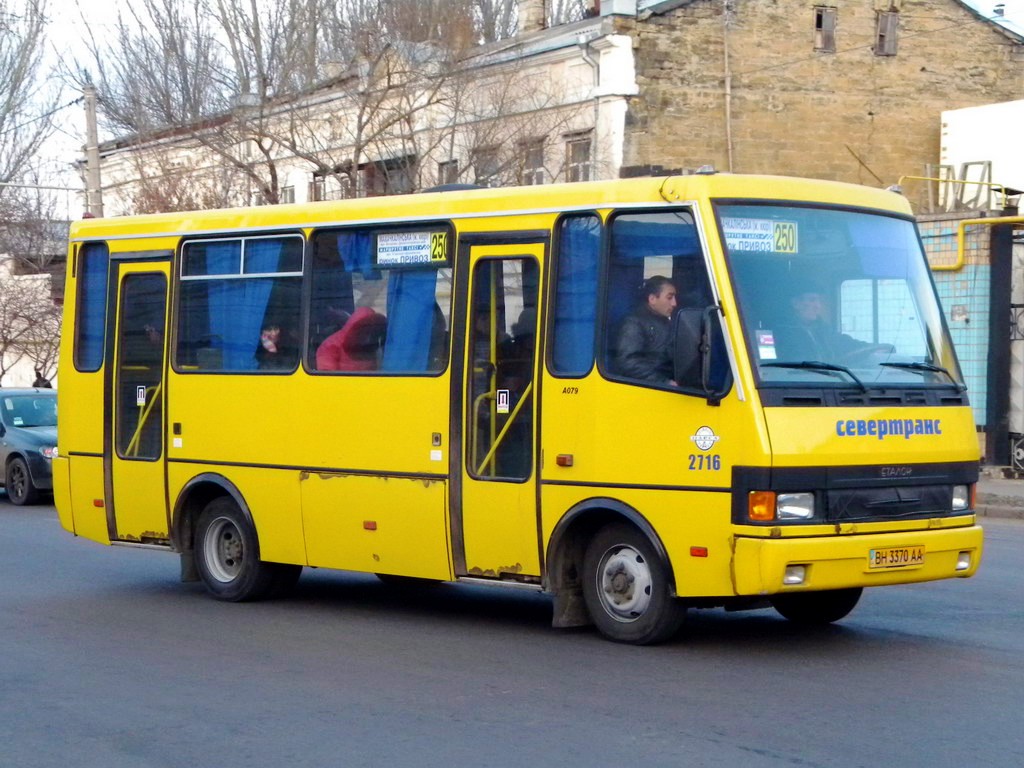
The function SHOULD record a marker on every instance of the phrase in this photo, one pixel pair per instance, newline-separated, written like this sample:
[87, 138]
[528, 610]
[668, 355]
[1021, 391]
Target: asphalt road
[107, 660]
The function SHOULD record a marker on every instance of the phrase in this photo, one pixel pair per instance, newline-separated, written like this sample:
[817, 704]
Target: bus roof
[494, 201]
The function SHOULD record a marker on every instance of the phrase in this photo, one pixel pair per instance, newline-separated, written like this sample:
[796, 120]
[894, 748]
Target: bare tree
[32, 235]
[495, 19]
[386, 85]
[568, 11]
[42, 344]
[24, 301]
[27, 101]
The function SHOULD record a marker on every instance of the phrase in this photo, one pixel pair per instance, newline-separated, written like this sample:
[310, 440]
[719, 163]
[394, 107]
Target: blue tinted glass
[212, 258]
[91, 324]
[264, 256]
[575, 309]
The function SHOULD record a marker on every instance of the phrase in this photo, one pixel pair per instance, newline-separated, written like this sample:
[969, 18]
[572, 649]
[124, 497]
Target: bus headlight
[794, 506]
[961, 497]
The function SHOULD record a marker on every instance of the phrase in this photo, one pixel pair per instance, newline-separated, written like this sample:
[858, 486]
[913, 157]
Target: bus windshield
[834, 297]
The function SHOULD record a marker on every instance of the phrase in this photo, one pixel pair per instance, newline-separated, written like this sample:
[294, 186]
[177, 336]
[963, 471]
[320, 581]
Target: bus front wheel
[817, 608]
[227, 554]
[626, 588]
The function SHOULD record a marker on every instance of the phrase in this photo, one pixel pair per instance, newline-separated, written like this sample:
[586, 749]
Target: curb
[998, 507]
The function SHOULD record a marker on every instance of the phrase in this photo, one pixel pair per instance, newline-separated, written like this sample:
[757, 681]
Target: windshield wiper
[813, 365]
[924, 368]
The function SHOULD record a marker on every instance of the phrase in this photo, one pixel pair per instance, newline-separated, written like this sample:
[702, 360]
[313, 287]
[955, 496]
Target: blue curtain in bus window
[626, 269]
[356, 253]
[576, 295]
[92, 307]
[411, 310]
[237, 306]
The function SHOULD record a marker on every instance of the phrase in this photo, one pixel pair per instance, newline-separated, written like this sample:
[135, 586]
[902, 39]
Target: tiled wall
[964, 294]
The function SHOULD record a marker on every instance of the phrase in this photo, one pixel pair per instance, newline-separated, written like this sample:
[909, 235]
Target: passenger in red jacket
[356, 346]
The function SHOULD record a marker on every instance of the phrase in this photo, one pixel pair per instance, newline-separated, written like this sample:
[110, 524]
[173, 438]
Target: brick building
[851, 91]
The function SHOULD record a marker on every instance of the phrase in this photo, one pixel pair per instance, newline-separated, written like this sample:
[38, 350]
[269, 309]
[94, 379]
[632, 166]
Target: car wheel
[626, 588]
[18, 482]
[817, 608]
[227, 554]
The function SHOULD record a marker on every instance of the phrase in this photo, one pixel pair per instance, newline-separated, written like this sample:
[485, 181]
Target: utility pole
[93, 187]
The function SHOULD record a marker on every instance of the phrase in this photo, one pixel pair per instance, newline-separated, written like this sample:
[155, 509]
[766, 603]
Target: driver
[810, 336]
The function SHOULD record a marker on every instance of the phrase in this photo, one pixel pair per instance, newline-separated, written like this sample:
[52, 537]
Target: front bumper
[840, 561]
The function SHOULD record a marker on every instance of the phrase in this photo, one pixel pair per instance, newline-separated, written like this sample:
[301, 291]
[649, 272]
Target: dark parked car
[28, 442]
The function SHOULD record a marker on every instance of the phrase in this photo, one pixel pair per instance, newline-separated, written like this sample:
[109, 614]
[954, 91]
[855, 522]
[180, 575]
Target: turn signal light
[761, 505]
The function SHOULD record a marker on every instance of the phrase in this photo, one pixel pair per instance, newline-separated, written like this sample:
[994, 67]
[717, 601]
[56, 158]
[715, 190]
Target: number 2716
[700, 461]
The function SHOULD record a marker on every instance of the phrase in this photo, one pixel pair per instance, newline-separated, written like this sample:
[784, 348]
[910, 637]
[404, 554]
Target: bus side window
[239, 304]
[366, 318]
[575, 308]
[659, 254]
[91, 311]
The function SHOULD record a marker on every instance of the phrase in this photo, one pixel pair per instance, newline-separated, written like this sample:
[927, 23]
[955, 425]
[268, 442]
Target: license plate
[895, 557]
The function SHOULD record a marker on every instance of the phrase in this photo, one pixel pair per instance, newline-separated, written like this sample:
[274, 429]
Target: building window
[825, 30]
[577, 158]
[448, 172]
[486, 166]
[885, 38]
[531, 154]
[389, 177]
[287, 194]
[317, 187]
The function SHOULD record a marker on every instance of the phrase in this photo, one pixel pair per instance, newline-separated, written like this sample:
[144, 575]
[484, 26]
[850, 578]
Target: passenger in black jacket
[643, 348]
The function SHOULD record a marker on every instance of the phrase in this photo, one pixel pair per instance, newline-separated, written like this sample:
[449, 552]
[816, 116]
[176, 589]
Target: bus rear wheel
[227, 554]
[626, 588]
[817, 608]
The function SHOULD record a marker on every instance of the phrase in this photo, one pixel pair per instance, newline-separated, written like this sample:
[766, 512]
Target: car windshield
[834, 297]
[29, 410]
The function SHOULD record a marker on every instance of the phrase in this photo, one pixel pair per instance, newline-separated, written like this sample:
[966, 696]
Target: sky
[65, 34]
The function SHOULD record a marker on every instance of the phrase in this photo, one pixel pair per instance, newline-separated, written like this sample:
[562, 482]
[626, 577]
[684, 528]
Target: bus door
[495, 510]
[134, 408]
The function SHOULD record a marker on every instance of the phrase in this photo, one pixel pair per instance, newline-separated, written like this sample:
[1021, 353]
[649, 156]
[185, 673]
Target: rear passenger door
[134, 446]
[495, 513]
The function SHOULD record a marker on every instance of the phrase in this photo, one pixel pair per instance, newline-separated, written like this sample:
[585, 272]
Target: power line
[44, 116]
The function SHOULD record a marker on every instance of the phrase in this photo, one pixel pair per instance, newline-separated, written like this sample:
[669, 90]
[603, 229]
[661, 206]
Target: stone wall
[849, 115]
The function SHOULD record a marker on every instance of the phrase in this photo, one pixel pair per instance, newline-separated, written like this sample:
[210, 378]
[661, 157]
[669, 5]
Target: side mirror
[700, 356]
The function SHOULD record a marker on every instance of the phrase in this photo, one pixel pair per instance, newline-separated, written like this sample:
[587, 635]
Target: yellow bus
[639, 396]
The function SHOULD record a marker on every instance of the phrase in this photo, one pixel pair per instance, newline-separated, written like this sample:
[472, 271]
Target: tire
[626, 588]
[816, 609]
[227, 555]
[18, 482]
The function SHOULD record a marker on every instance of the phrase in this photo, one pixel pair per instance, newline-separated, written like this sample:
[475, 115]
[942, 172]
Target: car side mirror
[700, 357]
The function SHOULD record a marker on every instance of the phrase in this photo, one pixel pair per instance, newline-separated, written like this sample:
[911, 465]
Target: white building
[983, 144]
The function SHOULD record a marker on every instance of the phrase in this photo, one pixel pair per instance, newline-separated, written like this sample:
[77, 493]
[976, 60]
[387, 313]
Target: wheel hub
[624, 583]
[224, 550]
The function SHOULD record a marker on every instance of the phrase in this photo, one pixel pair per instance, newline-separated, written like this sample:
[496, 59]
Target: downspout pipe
[584, 43]
[727, 18]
